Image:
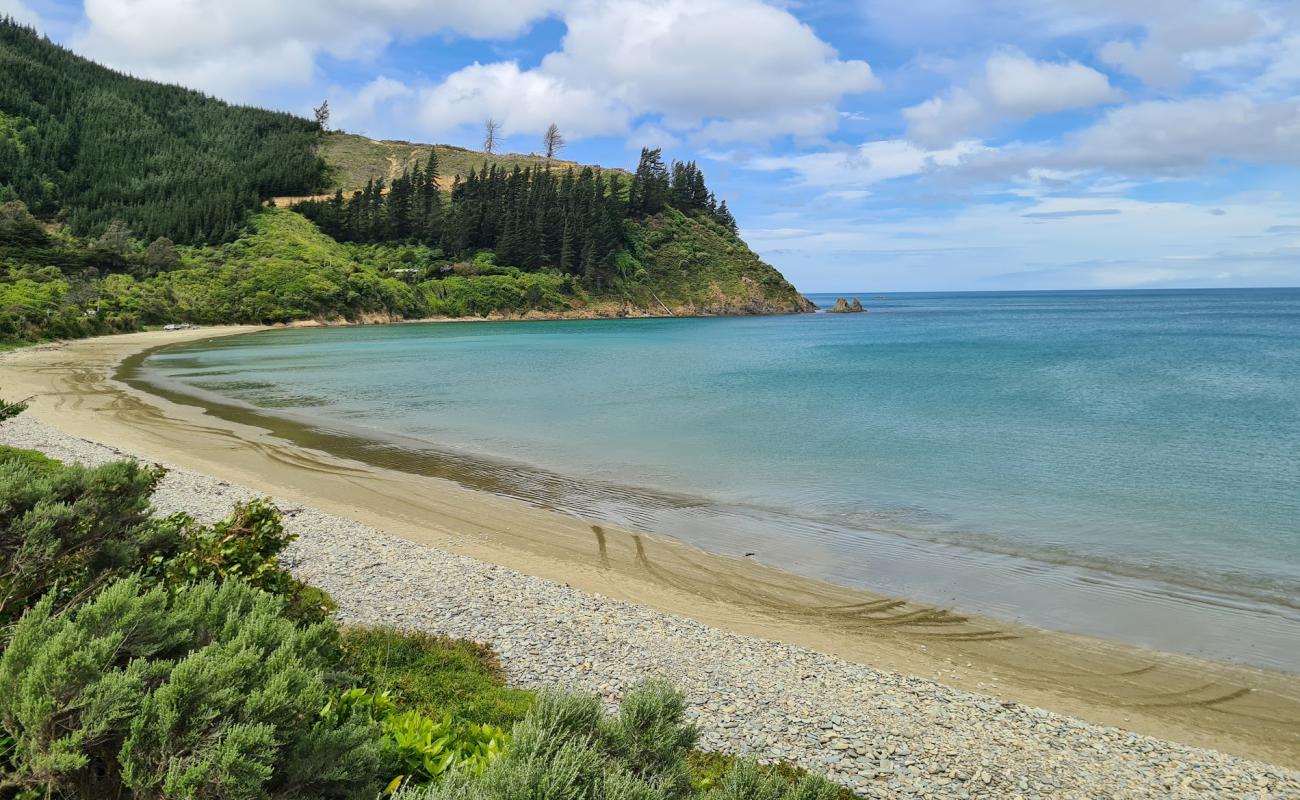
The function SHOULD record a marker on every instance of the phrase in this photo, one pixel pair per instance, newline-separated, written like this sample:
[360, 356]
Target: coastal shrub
[709, 769]
[567, 749]
[244, 545]
[747, 781]
[66, 530]
[205, 692]
[434, 675]
[651, 739]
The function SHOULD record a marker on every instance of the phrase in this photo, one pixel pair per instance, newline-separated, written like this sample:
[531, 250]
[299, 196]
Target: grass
[39, 462]
[435, 675]
[353, 160]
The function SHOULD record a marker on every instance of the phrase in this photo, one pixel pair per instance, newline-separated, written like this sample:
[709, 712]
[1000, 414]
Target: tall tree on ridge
[322, 112]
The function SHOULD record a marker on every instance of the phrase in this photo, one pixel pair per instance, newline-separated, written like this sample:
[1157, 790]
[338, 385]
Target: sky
[865, 145]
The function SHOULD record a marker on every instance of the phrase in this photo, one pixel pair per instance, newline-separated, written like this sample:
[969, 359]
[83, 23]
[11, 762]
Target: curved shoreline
[1250, 712]
[1069, 592]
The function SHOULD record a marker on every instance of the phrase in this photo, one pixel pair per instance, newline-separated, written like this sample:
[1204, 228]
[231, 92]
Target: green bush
[747, 781]
[65, 530]
[566, 749]
[244, 545]
[205, 692]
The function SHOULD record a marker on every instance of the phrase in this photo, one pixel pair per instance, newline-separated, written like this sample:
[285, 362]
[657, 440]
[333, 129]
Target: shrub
[649, 736]
[746, 781]
[69, 529]
[566, 749]
[244, 545]
[207, 692]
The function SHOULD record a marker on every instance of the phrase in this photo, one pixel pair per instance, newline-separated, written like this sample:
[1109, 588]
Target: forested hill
[94, 145]
[126, 203]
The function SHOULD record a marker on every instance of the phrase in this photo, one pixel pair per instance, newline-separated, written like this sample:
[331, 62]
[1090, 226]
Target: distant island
[127, 203]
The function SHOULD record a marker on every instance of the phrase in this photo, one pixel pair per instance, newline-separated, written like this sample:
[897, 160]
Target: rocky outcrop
[843, 306]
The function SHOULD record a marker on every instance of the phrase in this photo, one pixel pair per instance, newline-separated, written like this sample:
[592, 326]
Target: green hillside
[87, 146]
[127, 203]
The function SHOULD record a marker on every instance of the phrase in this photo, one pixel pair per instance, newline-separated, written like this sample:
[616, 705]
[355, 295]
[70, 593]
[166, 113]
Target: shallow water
[1122, 464]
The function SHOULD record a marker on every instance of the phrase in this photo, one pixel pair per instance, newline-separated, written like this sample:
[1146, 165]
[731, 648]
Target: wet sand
[1236, 709]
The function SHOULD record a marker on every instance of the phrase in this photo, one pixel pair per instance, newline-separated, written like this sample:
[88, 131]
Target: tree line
[94, 145]
[533, 218]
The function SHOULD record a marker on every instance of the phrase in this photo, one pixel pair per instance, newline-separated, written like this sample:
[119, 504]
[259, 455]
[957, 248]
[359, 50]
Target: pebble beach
[880, 733]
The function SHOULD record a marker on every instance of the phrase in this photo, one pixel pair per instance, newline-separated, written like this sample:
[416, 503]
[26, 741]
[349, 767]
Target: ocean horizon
[1114, 463]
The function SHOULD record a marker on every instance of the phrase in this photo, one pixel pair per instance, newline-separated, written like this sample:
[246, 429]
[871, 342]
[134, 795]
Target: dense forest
[92, 146]
[531, 218]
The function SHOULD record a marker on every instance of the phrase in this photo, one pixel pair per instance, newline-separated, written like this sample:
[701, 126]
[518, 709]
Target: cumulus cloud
[1012, 86]
[680, 61]
[236, 47]
[523, 101]
[349, 108]
[1179, 136]
[716, 69]
[1177, 34]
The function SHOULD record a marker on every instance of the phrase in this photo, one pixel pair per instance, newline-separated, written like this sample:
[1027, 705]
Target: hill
[353, 160]
[92, 145]
[126, 203]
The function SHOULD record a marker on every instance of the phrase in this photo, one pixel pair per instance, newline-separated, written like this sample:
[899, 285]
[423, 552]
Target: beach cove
[402, 549]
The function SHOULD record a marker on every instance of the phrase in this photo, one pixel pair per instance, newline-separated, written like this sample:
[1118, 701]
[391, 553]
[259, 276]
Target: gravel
[880, 733]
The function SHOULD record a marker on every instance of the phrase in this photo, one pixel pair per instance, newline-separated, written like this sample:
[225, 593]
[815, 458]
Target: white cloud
[1012, 86]
[681, 61]
[1065, 242]
[720, 69]
[236, 47]
[356, 108]
[523, 101]
[1178, 136]
[867, 164]
[1178, 34]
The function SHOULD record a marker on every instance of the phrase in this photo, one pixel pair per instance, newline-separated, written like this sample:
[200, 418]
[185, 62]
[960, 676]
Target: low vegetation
[284, 269]
[163, 657]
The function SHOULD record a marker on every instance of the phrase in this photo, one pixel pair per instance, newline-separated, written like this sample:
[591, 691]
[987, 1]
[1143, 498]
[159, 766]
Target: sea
[1122, 464]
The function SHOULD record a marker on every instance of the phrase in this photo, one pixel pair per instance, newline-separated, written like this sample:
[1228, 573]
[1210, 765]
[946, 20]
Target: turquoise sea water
[1118, 463]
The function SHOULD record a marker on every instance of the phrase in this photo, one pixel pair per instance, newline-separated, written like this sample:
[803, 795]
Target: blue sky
[872, 145]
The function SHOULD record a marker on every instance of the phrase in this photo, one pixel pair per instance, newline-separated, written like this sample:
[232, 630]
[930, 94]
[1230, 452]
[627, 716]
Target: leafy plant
[245, 545]
[427, 749]
[205, 692]
[67, 530]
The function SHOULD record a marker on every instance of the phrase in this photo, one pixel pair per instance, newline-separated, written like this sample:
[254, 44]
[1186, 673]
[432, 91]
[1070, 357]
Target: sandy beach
[1245, 712]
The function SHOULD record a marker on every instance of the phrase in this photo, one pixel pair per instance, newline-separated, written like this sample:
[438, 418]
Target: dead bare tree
[490, 130]
[553, 142]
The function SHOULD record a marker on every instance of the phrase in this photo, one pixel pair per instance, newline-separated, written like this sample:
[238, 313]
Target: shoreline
[1246, 711]
[1039, 590]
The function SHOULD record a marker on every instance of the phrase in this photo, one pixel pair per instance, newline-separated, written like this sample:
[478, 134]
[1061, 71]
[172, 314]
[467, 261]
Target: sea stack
[843, 306]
